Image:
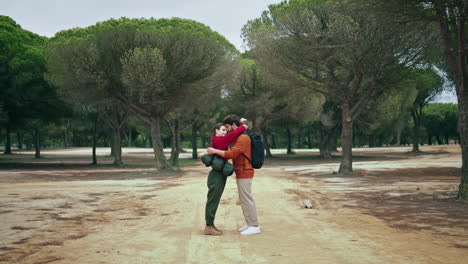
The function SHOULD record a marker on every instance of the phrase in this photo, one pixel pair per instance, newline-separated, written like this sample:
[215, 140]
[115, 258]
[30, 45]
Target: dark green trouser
[216, 184]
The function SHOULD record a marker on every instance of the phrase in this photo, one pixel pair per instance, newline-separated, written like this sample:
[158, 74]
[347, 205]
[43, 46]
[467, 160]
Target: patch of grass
[65, 205]
[150, 174]
[50, 243]
[7, 248]
[186, 162]
[22, 241]
[31, 158]
[136, 165]
[146, 197]
[295, 156]
[78, 236]
[437, 195]
[147, 164]
[333, 174]
[22, 228]
[128, 218]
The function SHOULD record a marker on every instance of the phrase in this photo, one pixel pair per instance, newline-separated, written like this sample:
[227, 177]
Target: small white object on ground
[308, 204]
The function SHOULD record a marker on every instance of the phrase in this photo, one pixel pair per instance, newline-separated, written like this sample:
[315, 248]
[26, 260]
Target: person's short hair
[231, 119]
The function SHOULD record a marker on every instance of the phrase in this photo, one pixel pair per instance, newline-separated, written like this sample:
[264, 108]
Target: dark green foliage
[440, 121]
[27, 101]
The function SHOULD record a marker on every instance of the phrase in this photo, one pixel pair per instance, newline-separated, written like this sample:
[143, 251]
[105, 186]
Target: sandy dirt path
[161, 219]
[162, 222]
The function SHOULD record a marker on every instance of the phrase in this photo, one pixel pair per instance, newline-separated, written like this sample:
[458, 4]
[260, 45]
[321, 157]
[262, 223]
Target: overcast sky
[46, 17]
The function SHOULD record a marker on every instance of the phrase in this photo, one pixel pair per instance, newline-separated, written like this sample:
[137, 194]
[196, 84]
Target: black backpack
[258, 151]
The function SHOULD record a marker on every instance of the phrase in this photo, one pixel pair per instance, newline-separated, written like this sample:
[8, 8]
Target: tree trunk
[456, 60]
[161, 161]
[346, 166]
[273, 142]
[325, 141]
[117, 147]
[299, 141]
[193, 141]
[8, 139]
[398, 138]
[416, 137]
[289, 148]
[112, 153]
[94, 140]
[361, 140]
[175, 152]
[371, 141]
[172, 145]
[29, 144]
[416, 120]
[37, 143]
[167, 141]
[463, 134]
[130, 137]
[267, 143]
[74, 138]
[309, 140]
[66, 139]
[380, 141]
[324, 150]
[429, 139]
[20, 140]
[203, 142]
[399, 128]
[333, 140]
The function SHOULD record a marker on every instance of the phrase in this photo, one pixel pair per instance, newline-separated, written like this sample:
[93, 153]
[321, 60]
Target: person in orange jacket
[241, 153]
[216, 180]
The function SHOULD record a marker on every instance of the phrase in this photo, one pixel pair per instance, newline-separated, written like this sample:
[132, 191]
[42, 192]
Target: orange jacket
[242, 145]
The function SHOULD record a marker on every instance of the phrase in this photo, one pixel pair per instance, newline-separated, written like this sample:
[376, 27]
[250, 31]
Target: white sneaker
[251, 230]
[243, 228]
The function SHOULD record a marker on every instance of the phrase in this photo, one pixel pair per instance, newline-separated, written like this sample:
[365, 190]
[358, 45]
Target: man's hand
[243, 121]
[211, 151]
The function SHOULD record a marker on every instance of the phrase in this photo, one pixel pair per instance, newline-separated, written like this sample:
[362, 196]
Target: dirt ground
[397, 208]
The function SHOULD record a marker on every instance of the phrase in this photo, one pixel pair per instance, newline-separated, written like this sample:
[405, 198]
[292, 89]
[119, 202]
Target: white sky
[227, 17]
[46, 17]
[446, 97]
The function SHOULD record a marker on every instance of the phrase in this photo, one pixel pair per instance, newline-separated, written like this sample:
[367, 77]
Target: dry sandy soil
[397, 208]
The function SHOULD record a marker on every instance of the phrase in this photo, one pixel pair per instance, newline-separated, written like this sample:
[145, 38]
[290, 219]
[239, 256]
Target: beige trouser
[244, 187]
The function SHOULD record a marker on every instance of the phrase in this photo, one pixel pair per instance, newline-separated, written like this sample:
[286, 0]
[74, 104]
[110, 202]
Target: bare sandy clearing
[393, 215]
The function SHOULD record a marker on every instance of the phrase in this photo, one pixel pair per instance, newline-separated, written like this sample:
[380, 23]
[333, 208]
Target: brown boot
[212, 231]
[218, 229]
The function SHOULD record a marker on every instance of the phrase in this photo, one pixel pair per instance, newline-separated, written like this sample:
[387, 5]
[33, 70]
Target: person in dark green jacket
[217, 177]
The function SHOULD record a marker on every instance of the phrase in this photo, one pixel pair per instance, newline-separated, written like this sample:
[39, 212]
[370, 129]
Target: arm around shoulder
[241, 146]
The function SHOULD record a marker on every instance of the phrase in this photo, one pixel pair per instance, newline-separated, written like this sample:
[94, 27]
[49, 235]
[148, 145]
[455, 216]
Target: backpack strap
[245, 133]
[247, 158]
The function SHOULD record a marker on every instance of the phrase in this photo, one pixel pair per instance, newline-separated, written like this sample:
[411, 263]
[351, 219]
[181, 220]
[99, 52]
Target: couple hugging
[230, 131]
